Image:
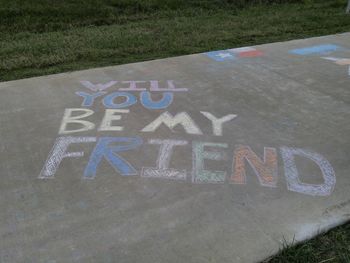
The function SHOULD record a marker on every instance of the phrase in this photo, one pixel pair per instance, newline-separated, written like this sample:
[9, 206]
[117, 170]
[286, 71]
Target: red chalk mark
[250, 54]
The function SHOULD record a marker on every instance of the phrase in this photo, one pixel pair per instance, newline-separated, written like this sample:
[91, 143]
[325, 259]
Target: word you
[124, 98]
[265, 169]
[234, 53]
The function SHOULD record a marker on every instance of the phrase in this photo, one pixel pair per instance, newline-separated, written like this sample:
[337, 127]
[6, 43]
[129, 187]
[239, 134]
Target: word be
[109, 149]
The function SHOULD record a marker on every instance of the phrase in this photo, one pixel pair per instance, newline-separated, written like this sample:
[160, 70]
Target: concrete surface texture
[213, 157]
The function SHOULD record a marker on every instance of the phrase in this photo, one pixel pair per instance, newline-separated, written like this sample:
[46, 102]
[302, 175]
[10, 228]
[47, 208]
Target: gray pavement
[214, 157]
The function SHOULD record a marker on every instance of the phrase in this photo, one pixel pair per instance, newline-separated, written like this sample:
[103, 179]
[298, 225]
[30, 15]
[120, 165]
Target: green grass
[45, 37]
[49, 15]
[331, 247]
[41, 37]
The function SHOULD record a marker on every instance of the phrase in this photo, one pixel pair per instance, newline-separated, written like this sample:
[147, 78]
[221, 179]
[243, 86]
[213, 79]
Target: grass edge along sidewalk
[330, 246]
[67, 44]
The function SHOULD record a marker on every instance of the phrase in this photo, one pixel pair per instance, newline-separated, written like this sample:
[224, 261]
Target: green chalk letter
[199, 174]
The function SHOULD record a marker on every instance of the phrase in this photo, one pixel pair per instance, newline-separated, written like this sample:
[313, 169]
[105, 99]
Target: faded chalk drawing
[323, 50]
[165, 152]
[134, 85]
[234, 53]
[292, 175]
[59, 151]
[246, 52]
[99, 86]
[199, 154]
[154, 86]
[339, 61]
[265, 170]
[317, 49]
[221, 55]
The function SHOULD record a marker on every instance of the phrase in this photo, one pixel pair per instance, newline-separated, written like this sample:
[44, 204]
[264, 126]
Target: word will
[124, 98]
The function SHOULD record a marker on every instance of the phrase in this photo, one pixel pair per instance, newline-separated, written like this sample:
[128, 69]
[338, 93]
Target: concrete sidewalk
[213, 157]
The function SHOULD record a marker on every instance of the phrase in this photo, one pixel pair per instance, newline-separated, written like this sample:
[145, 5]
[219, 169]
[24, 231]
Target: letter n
[265, 170]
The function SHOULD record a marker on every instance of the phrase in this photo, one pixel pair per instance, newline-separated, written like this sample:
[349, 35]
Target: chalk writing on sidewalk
[117, 100]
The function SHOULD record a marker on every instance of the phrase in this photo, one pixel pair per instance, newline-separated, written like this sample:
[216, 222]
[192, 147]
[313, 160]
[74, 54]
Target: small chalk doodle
[221, 55]
[317, 50]
[247, 52]
[234, 53]
[324, 49]
[340, 61]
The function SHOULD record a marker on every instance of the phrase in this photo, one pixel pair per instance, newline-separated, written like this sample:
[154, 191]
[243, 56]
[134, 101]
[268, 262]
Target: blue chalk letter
[148, 103]
[109, 152]
[89, 98]
[108, 101]
[319, 49]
